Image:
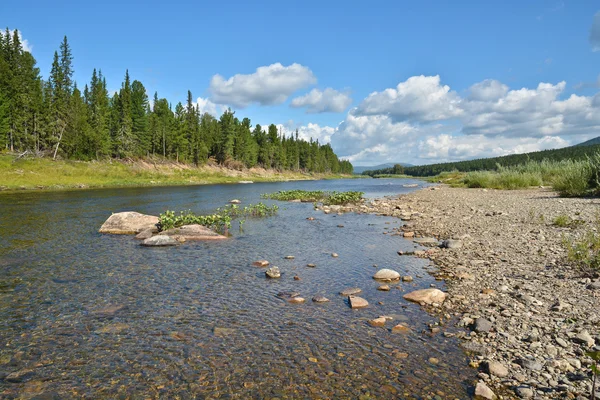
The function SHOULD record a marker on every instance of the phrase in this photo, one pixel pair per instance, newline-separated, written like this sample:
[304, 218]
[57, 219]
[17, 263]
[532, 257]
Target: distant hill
[590, 142]
[579, 152]
[361, 169]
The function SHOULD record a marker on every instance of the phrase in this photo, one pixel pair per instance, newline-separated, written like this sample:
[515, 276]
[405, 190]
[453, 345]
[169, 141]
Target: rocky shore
[525, 316]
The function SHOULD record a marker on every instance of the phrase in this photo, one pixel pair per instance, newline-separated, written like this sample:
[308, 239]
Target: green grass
[585, 250]
[44, 173]
[569, 178]
[395, 176]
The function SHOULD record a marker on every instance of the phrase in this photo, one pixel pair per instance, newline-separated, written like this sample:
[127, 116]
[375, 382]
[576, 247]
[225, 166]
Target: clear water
[198, 320]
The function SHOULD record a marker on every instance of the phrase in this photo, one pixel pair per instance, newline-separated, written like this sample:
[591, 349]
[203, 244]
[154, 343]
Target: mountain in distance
[590, 142]
[360, 169]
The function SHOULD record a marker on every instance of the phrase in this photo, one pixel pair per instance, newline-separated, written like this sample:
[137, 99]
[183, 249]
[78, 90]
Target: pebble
[482, 391]
[273, 272]
[384, 288]
[357, 302]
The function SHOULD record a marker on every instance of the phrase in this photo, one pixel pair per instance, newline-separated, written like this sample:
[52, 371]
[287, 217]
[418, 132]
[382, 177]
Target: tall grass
[569, 178]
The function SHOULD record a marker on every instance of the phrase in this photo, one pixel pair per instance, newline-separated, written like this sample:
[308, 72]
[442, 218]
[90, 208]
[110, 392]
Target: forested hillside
[490, 164]
[57, 117]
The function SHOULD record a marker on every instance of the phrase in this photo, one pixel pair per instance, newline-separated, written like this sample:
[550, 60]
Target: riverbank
[46, 174]
[528, 316]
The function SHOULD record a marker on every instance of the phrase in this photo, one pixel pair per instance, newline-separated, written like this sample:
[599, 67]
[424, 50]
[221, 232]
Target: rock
[273, 272]
[146, 233]
[386, 275]
[289, 257]
[482, 325]
[115, 328]
[434, 361]
[235, 201]
[23, 375]
[311, 265]
[221, 332]
[334, 255]
[261, 263]
[296, 278]
[497, 369]
[407, 278]
[296, 300]
[350, 291]
[531, 364]
[426, 241]
[378, 322]
[585, 338]
[524, 392]
[408, 234]
[384, 288]
[109, 311]
[357, 302]
[246, 182]
[287, 295]
[451, 244]
[482, 391]
[320, 299]
[192, 232]
[128, 223]
[311, 218]
[594, 285]
[426, 296]
[159, 241]
[401, 328]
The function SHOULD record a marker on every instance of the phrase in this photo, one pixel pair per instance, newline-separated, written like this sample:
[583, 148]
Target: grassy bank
[569, 178]
[43, 173]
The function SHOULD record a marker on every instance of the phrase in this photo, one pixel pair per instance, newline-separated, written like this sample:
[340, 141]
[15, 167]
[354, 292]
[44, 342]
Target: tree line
[491, 164]
[55, 117]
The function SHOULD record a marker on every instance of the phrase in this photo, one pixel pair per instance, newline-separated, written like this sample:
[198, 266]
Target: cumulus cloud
[24, 42]
[451, 147]
[490, 120]
[269, 85]
[207, 106]
[595, 33]
[306, 132]
[328, 100]
[418, 99]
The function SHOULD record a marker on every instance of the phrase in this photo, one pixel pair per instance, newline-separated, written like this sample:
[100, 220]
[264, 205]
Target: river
[86, 315]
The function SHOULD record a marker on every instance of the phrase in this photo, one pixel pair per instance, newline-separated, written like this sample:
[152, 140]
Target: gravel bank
[528, 316]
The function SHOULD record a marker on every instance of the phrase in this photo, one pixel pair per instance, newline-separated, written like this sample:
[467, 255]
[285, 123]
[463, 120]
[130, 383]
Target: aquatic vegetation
[328, 198]
[220, 221]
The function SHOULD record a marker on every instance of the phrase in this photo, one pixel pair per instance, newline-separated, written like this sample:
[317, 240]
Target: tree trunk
[62, 130]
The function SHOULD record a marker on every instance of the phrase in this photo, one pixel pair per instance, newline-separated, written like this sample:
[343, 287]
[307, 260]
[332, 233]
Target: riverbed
[86, 315]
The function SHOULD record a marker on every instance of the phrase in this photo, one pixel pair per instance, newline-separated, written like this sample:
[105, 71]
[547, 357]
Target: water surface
[85, 315]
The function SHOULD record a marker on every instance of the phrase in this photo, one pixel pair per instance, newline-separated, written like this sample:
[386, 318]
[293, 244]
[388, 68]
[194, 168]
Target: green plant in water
[220, 221]
[328, 198]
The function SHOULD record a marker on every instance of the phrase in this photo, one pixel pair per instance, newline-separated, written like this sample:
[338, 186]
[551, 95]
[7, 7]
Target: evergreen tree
[139, 117]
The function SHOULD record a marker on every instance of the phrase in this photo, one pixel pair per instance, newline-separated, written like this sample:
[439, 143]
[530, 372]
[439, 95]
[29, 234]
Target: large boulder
[426, 296]
[128, 223]
[192, 232]
[387, 275]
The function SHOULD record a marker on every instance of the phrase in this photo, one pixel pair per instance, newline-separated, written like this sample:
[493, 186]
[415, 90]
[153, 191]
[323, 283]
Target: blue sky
[414, 82]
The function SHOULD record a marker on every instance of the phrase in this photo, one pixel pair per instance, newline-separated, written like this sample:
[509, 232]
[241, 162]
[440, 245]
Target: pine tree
[139, 117]
[124, 144]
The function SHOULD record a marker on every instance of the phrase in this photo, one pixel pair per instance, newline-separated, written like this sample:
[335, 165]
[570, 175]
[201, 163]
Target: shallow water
[199, 321]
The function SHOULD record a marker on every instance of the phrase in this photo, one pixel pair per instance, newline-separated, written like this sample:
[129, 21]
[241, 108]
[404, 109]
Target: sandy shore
[528, 316]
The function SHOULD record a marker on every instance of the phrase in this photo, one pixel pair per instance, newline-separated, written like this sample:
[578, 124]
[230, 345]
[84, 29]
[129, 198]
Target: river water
[85, 315]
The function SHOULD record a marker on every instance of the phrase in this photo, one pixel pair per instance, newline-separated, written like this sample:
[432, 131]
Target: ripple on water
[98, 316]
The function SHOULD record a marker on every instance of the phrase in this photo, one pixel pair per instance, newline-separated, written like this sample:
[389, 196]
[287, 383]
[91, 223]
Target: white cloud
[595, 32]
[207, 106]
[446, 147]
[269, 85]
[24, 42]
[307, 132]
[329, 100]
[419, 99]
[490, 120]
